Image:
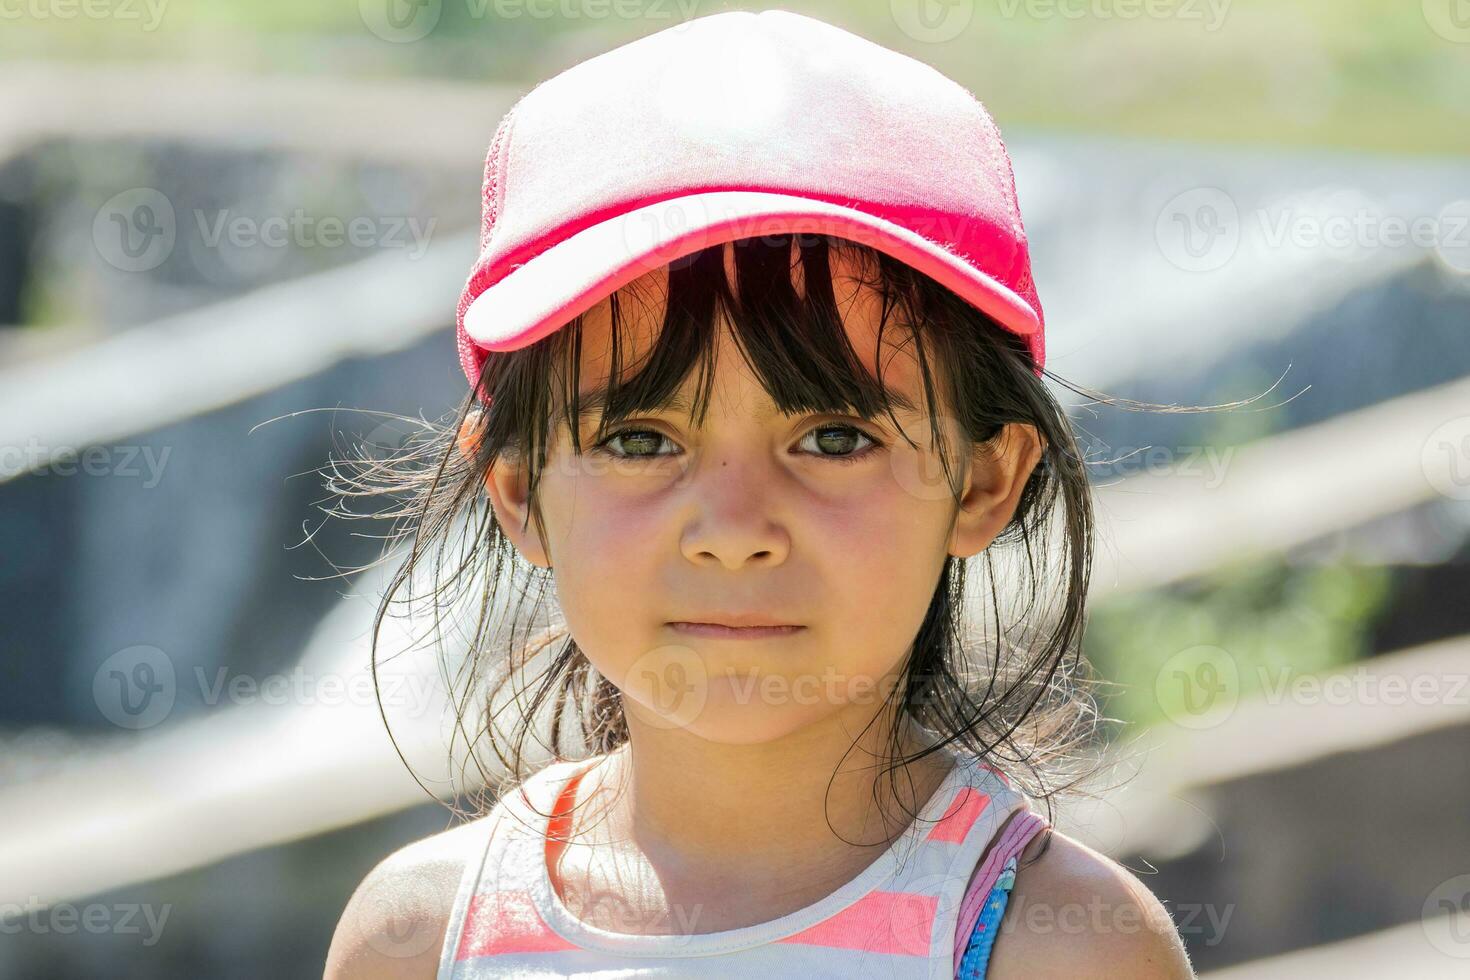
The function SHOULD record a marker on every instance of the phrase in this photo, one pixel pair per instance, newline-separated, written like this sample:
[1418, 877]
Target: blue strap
[977, 952]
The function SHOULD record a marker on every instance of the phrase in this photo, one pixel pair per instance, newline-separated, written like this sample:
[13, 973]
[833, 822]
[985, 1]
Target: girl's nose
[732, 519]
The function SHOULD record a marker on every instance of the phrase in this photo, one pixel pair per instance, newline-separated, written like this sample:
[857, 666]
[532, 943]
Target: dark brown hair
[1008, 685]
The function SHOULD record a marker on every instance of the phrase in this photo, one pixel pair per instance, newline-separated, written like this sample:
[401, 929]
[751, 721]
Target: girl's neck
[691, 808]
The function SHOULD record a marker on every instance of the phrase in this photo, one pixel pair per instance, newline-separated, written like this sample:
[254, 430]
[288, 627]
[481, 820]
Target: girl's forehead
[641, 304]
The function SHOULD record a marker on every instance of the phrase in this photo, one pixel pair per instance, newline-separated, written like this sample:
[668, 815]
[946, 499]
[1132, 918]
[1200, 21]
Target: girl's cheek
[609, 524]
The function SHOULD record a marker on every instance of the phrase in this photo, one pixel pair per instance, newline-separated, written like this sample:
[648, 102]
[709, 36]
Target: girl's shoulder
[1075, 912]
[394, 924]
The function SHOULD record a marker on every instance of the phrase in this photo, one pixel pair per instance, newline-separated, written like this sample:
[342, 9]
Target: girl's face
[831, 525]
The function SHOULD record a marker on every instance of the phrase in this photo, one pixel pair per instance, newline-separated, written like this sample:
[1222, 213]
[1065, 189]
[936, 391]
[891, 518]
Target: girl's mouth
[721, 632]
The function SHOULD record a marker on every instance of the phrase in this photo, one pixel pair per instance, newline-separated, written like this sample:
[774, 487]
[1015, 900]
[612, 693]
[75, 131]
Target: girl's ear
[508, 487]
[993, 488]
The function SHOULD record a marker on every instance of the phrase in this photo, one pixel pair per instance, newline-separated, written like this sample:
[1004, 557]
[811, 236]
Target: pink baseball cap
[730, 126]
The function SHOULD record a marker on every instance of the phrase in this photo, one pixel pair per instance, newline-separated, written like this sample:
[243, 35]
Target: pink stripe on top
[960, 816]
[880, 922]
[506, 922]
[898, 918]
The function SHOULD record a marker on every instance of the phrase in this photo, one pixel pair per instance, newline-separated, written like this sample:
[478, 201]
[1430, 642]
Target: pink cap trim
[537, 298]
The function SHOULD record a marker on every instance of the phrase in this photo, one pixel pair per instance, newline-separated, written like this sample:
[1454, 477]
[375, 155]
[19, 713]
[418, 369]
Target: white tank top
[896, 919]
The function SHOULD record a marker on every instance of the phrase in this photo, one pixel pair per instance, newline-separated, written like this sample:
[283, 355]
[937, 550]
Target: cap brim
[548, 291]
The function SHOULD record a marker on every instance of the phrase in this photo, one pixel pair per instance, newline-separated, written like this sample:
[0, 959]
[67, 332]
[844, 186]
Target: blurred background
[231, 233]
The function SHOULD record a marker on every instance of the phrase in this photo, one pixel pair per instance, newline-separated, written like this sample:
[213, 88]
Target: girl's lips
[715, 631]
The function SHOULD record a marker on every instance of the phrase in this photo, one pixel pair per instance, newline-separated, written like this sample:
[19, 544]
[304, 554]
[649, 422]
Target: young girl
[755, 364]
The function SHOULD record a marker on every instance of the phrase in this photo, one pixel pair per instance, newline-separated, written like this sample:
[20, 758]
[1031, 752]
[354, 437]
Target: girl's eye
[635, 443]
[834, 441]
[837, 442]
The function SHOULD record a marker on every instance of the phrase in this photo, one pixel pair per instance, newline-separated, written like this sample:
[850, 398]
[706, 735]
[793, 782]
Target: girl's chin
[729, 719]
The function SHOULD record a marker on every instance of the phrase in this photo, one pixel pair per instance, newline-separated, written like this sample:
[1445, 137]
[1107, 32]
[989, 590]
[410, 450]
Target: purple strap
[1012, 842]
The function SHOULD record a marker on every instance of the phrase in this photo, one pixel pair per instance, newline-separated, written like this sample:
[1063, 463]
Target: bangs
[794, 340]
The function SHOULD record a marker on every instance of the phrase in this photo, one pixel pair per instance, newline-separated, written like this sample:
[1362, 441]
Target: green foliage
[1269, 618]
[1355, 74]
